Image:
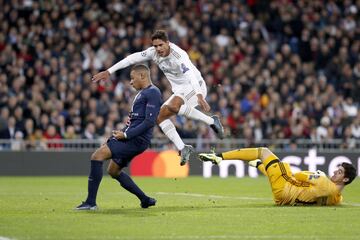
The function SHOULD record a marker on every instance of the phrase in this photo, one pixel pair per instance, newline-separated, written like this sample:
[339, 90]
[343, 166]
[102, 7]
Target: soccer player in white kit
[188, 87]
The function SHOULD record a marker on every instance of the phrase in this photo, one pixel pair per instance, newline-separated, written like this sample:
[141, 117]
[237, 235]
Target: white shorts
[187, 93]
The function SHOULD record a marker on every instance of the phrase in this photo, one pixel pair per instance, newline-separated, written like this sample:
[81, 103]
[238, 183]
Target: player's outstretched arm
[101, 76]
[132, 59]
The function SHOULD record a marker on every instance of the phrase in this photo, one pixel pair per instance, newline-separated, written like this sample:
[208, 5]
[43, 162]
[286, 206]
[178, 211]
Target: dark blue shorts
[123, 151]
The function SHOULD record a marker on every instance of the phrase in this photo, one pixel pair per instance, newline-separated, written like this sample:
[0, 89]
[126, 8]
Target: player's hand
[321, 173]
[104, 75]
[118, 134]
[203, 104]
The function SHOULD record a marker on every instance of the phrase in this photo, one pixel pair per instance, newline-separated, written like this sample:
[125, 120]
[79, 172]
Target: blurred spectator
[322, 131]
[18, 143]
[70, 133]
[89, 132]
[99, 126]
[4, 117]
[350, 108]
[52, 135]
[348, 139]
[37, 140]
[10, 130]
[186, 130]
[355, 128]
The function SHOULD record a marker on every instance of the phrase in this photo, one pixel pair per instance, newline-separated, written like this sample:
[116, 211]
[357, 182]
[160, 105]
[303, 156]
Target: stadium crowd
[277, 69]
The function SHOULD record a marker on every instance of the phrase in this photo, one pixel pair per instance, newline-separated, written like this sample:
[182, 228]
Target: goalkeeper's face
[339, 176]
[162, 47]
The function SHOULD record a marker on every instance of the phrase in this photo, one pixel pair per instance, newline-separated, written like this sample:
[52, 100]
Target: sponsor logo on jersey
[134, 114]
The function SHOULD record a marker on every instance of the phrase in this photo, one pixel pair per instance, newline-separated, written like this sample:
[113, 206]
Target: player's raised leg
[169, 129]
[115, 171]
[96, 172]
[192, 100]
[245, 154]
[213, 121]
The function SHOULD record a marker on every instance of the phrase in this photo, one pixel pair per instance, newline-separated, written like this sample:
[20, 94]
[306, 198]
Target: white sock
[170, 131]
[193, 113]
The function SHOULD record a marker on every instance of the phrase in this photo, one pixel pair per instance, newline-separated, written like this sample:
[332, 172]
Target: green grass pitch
[189, 208]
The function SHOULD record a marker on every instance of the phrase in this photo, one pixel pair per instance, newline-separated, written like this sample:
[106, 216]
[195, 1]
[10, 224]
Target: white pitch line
[314, 237]
[210, 196]
[5, 238]
[351, 204]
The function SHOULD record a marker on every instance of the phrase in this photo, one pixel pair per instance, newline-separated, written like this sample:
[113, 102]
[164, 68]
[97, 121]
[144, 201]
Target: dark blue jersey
[143, 114]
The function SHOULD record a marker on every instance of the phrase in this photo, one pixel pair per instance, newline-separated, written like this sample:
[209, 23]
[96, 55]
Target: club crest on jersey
[143, 54]
[184, 68]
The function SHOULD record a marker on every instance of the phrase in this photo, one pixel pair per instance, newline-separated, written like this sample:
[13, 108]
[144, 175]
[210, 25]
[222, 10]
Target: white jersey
[177, 67]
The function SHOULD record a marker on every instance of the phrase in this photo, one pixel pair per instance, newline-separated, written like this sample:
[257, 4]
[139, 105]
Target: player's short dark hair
[140, 67]
[350, 172]
[160, 34]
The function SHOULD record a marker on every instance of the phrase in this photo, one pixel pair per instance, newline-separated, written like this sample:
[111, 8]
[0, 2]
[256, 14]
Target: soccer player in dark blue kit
[124, 145]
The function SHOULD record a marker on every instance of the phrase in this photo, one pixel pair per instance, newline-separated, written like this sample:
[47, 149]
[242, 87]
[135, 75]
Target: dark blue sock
[95, 176]
[127, 183]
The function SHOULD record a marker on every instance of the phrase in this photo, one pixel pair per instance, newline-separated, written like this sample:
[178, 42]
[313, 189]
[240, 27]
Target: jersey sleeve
[188, 72]
[134, 58]
[152, 110]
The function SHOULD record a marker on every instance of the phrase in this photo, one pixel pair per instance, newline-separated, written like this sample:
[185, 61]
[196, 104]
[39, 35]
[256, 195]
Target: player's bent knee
[174, 108]
[102, 153]
[113, 169]
[160, 119]
[99, 155]
[265, 153]
[113, 173]
[94, 156]
[164, 114]
[265, 150]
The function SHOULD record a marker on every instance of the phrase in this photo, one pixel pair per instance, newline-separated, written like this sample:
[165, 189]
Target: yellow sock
[261, 168]
[246, 154]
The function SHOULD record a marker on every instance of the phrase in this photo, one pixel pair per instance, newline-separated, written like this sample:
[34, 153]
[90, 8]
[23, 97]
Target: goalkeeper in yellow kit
[302, 188]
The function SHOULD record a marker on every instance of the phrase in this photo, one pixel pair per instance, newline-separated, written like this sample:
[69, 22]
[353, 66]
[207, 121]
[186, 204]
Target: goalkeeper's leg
[257, 157]
[261, 158]
[249, 154]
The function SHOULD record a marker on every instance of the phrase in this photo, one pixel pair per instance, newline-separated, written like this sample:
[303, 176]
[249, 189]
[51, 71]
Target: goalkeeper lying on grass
[303, 188]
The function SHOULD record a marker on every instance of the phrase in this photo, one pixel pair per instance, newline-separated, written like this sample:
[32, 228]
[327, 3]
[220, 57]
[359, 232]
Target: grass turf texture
[190, 208]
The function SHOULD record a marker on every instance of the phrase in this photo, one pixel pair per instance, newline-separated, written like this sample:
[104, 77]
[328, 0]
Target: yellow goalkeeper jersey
[314, 188]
